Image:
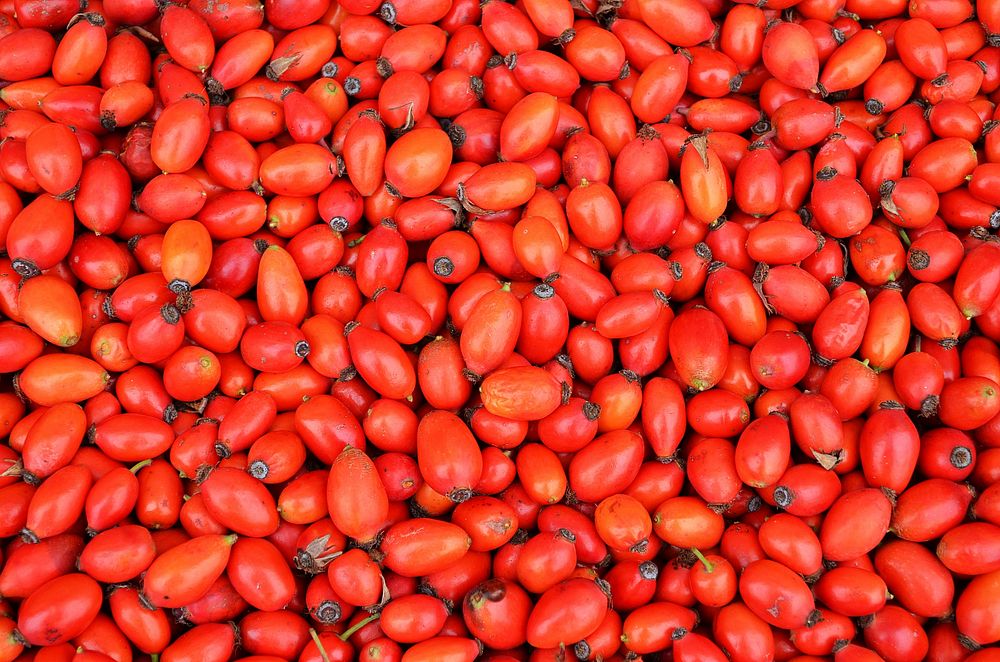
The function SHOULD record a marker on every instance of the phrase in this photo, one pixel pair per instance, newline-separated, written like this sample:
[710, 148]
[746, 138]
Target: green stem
[144, 463]
[319, 645]
[154, 657]
[349, 632]
[905, 237]
[709, 566]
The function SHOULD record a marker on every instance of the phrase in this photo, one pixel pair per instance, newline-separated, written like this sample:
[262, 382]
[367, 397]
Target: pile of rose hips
[434, 331]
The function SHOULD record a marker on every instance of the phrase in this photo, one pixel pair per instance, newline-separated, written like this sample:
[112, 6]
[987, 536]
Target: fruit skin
[118, 554]
[240, 502]
[977, 600]
[846, 533]
[355, 496]
[186, 572]
[526, 393]
[496, 612]
[422, 546]
[776, 594]
[653, 626]
[59, 610]
[546, 628]
[698, 339]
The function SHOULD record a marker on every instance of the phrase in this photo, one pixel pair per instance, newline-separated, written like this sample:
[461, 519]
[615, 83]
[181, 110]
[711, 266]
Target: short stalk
[319, 645]
[357, 626]
[905, 237]
[709, 566]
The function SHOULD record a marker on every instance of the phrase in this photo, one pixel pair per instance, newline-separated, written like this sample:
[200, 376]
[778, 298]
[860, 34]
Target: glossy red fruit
[448, 455]
[496, 317]
[856, 523]
[918, 580]
[974, 604]
[118, 554]
[422, 546]
[852, 591]
[893, 629]
[704, 180]
[381, 361]
[240, 502]
[59, 610]
[186, 572]
[496, 612]
[260, 574]
[889, 448]
[686, 24]
[790, 53]
[356, 497]
[698, 342]
[525, 393]
[776, 594]
[545, 628]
